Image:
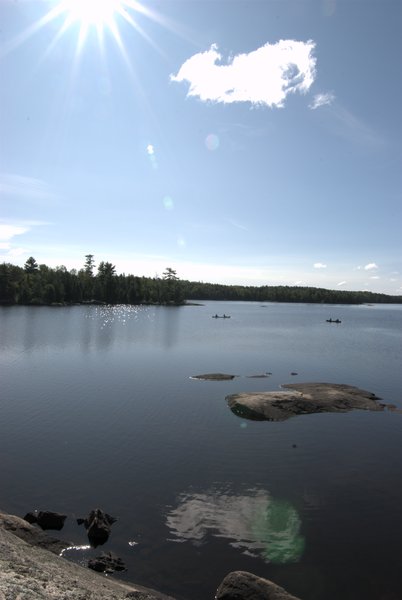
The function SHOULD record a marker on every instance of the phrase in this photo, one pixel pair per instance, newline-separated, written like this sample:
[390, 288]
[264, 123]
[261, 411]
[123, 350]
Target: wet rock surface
[302, 398]
[240, 585]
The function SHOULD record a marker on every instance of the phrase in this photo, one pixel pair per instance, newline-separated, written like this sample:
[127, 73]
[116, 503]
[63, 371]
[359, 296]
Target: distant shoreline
[36, 285]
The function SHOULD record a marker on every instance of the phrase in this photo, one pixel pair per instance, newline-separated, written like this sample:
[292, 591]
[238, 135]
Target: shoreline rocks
[302, 398]
[31, 567]
[28, 570]
[241, 585]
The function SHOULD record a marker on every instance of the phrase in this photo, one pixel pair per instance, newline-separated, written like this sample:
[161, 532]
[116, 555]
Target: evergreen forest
[38, 284]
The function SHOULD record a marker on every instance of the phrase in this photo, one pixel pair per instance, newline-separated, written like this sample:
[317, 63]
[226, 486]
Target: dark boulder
[98, 525]
[240, 585]
[107, 562]
[46, 519]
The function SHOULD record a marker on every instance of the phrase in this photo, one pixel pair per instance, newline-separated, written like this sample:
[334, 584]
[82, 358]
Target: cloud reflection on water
[255, 523]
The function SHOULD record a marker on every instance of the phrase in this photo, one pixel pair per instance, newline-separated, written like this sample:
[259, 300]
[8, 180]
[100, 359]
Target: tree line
[38, 284]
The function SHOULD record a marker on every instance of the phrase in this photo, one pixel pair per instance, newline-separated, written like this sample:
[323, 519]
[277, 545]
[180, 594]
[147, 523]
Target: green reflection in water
[277, 528]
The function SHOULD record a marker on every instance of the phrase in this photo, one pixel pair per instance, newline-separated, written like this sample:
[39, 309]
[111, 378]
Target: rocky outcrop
[240, 585]
[302, 398]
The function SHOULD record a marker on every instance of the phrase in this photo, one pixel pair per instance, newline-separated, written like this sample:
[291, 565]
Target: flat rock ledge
[301, 399]
[240, 585]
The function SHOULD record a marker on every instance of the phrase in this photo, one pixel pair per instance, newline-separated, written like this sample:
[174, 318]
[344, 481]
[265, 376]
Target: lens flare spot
[168, 203]
[150, 150]
[212, 142]
[181, 242]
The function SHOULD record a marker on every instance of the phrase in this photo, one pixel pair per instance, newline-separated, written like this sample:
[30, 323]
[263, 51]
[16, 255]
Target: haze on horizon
[236, 142]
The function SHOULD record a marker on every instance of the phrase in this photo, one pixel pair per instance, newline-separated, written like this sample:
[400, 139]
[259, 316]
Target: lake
[98, 409]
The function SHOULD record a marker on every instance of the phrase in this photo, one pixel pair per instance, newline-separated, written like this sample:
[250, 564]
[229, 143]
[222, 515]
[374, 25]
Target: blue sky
[247, 142]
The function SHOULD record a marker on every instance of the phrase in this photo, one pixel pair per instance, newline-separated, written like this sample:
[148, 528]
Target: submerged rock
[107, 562]
[214, 376]
[98, 525]
[240, 585]
[304, 398]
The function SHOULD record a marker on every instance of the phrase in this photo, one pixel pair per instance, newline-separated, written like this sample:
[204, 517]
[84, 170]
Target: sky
[242, 142]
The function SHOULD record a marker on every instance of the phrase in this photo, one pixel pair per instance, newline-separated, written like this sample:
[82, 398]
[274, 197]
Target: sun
[91, 12]
[81, 18]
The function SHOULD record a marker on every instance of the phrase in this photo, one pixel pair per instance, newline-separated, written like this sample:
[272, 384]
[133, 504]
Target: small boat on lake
[333, 321]
[221, 316]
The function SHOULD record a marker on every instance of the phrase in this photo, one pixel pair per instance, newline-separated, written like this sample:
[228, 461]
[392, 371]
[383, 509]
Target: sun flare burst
[81, 17]
[91, 12]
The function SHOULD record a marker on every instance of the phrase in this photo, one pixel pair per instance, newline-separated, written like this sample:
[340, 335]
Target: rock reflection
[255, 522]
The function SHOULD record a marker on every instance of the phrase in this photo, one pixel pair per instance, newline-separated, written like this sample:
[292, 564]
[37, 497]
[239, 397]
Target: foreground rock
[29, 572]
[304, 398]
[31, 535]
[240, 585]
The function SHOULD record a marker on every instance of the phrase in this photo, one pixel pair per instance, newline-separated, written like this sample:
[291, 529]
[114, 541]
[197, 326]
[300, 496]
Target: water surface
[99, 409]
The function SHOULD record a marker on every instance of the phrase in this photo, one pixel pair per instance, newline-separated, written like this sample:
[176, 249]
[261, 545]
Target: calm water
[98, 408]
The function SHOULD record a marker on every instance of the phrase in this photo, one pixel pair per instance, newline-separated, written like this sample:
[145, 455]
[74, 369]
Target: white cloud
[374, 277]
[370, 267]
[319, 265]
[321, 100]
[264, 76]
[7, 232]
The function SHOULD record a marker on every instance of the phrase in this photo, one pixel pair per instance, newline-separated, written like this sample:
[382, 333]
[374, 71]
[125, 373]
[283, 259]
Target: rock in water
[304, 398]
[240, 585]
[46, 519]
[98, 526]
[214, 377]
